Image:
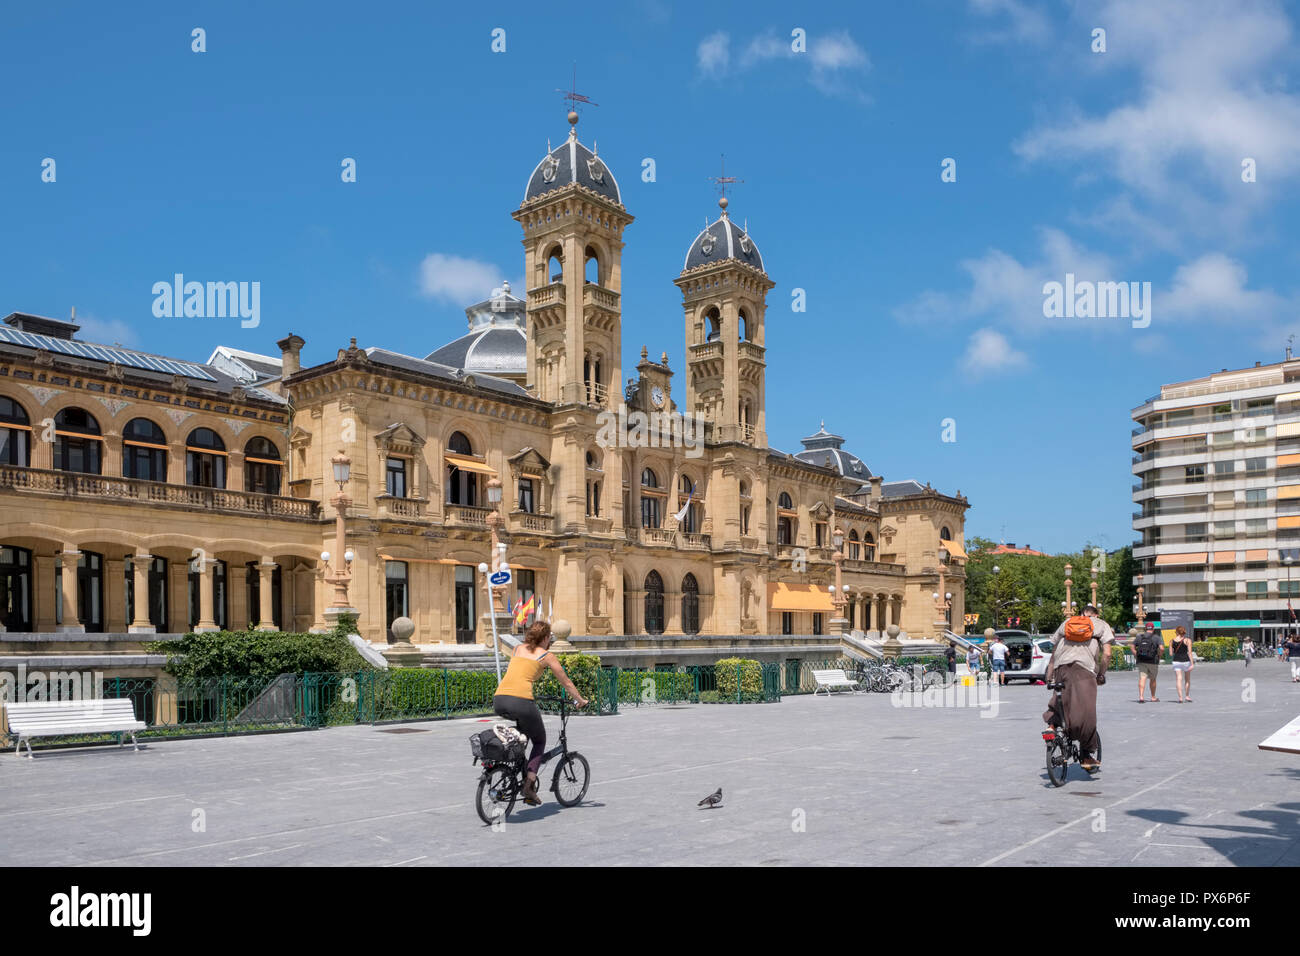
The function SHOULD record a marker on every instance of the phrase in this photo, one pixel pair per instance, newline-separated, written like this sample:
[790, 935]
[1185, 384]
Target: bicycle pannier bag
[1078, 629]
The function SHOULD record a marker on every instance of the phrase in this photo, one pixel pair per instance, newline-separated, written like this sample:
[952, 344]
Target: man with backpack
[1079, 659]
[1148, 649]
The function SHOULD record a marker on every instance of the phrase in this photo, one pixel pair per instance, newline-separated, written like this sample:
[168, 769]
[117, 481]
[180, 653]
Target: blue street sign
[500, 577]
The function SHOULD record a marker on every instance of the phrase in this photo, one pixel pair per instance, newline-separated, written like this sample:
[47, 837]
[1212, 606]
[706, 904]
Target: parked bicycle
[1061, 748]
[502, 780]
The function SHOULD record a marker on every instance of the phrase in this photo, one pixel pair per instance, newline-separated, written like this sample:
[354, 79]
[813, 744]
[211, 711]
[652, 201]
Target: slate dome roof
[824, 449]
[572, 162]
[723, 239]
[496, 343]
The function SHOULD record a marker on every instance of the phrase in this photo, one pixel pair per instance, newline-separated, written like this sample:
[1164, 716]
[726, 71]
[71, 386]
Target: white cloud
[989, 352]
[1207, 97]
[1025, 23]
[833, 59]
[457, 280]
[105, 331]
[1214, 287]
[713, 55]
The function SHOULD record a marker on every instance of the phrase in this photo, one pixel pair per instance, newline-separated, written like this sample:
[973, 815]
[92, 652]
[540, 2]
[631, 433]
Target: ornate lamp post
[1141, 609]
[339, 573]
[494, 521]
[1093, 571]
[1068, 584]
[839, 625]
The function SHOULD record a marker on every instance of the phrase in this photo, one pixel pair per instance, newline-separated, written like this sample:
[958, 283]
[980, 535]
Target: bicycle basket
[498, 744]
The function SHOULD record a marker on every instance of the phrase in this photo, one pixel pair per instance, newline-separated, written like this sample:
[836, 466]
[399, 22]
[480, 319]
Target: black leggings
[528, 718]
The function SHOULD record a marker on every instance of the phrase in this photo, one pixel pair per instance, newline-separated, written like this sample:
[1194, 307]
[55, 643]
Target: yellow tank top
[520, 676]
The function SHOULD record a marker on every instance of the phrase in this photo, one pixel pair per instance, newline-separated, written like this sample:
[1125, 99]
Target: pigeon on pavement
[712, 800]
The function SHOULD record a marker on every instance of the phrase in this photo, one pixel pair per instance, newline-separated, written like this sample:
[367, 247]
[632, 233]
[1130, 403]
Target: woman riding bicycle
[514, 697]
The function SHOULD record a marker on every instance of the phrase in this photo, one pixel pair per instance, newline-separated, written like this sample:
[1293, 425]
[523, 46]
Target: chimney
[290, 347]
[876, 482]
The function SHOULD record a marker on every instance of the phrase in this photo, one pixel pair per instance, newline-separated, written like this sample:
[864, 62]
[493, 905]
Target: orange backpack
[1078, 629]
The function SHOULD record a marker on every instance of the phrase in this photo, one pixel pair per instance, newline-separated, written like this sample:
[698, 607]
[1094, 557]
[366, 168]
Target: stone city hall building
[141, 494]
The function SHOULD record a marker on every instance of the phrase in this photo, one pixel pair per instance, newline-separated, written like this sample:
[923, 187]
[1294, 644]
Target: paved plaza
[1181, 785]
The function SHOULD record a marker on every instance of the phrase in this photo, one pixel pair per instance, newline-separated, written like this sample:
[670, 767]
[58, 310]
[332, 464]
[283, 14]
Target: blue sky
[924, 298]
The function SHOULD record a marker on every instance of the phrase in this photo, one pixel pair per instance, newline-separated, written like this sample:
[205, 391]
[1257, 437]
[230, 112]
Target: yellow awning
[1196, 558]
[1288, 397]
[1288, 430]
[465, 463]
[954, 549]
[798, 597]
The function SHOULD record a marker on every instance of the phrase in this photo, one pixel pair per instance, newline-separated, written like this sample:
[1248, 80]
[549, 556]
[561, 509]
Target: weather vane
[723, 181]
[573, 96]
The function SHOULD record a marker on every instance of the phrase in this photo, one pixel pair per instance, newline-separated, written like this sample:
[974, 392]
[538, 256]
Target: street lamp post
[1141, 609]
[1093, 571]
[339, 573]
[1068, 583]
[498, 549]
[839, 624]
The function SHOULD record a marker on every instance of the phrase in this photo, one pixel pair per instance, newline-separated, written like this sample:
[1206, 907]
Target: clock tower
[652, 392]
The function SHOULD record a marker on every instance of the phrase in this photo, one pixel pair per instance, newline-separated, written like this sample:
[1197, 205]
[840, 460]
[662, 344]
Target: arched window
[742, 326]
[712, 325]
[686, 492]
[591, 266]
[16, 588]
[262, 466]
[869, 546]
[77, 446]
[555, 265]
[690, 605]
[205, 459]
[744, 507]
[593, 485]
[784, 502]
[462, 485]
[15, 434]
[654, 603]
[855, 547]
[945, 534]
[144, 451]
[651, 504]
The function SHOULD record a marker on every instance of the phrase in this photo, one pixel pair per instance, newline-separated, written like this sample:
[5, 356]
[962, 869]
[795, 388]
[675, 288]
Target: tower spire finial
[574, 98]
[723, 181]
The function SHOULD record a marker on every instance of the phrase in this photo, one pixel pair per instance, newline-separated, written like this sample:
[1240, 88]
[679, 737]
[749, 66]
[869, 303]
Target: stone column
[880, 621]
[68, 581]
[140, 624]
[115, 595]
[180, 594]
[235, 471]
[321, 592]
[266, 608]
[43, 587]
[206, 621]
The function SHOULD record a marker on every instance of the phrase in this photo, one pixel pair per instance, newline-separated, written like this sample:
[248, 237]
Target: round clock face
[657, 396]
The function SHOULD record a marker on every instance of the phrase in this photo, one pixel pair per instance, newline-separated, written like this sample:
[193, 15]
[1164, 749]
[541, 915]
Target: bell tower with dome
[573, 219]
[724, 294]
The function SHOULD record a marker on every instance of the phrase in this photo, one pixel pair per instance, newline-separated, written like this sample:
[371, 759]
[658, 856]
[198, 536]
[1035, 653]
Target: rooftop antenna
[722, 182]
[1289, 339]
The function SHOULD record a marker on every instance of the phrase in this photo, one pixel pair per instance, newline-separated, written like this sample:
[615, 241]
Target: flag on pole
[550, 609]
[681, 515]
[1290, 610]
[524, 609]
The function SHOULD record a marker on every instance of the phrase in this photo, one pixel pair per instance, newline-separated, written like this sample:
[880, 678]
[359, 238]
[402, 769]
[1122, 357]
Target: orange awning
[1286, 461]
[1257, 554]
[954, 549]
[1199, 557]
[1225, 557]
[1288, 521]
[798, 597]
[465, 463]
[1288, 491]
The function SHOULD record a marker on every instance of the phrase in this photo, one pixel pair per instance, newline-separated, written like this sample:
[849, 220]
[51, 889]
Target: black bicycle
[1061, 748]
[502, 781]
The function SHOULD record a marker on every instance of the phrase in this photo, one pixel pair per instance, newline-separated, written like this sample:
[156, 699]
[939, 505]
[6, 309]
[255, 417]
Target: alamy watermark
[212, 300]
[980, 693]
[624, 429]
[1083, 299]
[26, 686]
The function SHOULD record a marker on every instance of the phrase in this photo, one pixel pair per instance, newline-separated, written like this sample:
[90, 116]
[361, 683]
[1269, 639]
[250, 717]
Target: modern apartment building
[1217, 463]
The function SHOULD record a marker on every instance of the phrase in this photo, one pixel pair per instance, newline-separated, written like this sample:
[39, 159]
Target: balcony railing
[600, 297]
[107, 489]
[751, 351]
[464, 516]
[401, 507]
[529, 521]
[545, 295]
[706, 350]
[597, 393]
[696, 542]
[746, 432]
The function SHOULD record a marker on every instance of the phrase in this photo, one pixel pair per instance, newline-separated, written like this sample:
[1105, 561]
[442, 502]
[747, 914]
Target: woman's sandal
[530, 794]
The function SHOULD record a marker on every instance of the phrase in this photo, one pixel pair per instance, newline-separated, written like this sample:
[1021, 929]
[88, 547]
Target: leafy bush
[583, 670]
[1208, 650]
[259, 653]
[662, 686]
[750, 674]
[1118, 660]
[710, 697]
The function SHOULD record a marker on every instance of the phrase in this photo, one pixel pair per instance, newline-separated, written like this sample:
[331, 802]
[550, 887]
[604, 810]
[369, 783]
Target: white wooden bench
[61, 718]
[826, 680]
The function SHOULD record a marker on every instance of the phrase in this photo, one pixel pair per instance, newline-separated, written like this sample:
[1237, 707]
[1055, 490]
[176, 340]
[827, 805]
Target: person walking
[1248, 650]
[973, 661]
[951, 655]
[998, 653]
[1148, 649]
[1181, 652]
[1293, 655]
